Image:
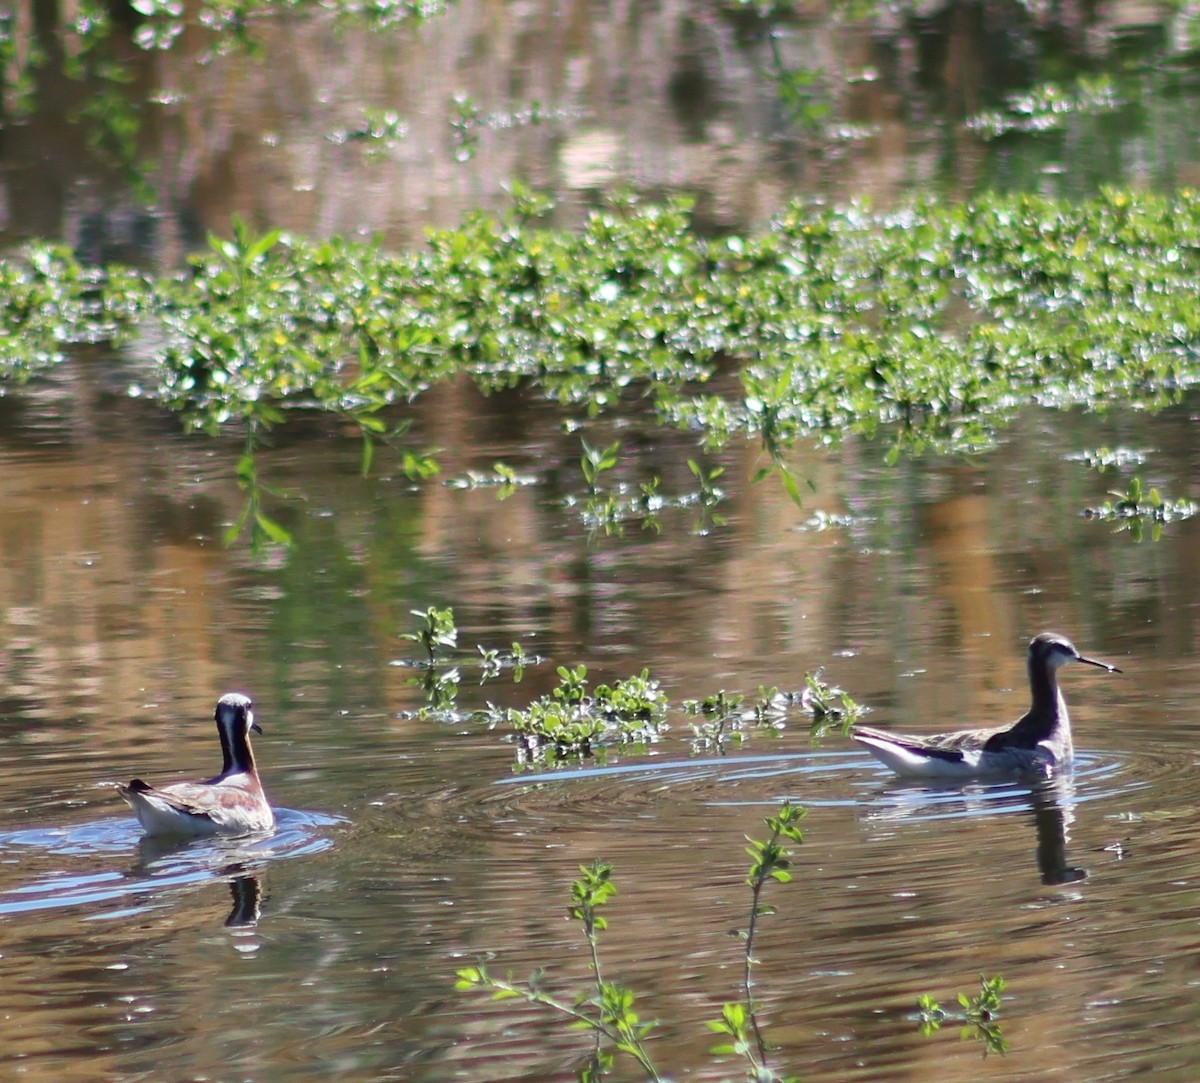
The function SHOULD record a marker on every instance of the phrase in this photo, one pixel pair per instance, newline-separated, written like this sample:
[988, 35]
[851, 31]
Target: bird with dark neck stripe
[231, 803]
[1039, 741]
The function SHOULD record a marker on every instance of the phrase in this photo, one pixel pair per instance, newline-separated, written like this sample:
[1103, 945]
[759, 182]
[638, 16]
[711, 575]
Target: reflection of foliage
[229, 23]
[800, 92]
[112, 112]
[17, 62]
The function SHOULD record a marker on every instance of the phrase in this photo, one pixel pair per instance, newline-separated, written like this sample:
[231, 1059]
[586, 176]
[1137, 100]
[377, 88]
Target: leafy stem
[769, 860]
[614, 1018]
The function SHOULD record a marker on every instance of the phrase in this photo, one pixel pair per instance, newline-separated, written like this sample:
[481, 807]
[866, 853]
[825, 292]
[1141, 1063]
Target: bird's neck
[236, 756]
[1047, 713]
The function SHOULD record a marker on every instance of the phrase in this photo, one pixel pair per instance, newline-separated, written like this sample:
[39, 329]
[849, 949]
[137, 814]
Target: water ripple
[159, 863]
[819, 779]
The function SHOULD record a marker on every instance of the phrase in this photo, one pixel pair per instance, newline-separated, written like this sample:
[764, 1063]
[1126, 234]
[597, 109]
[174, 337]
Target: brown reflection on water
[681, 98]
[99, 609]
[958, 529]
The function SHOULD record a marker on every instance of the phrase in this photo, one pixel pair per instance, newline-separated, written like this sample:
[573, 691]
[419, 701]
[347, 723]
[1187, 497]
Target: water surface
[410, 847]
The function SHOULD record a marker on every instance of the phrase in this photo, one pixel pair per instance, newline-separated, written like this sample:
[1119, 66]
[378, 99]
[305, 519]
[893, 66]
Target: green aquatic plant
[503, 478]
[1048, 107]
[595, 461]
[829, 705]
[1105, 458]
[609, 1009]
[379, 131]
[928, 325]
[978, 1016]
[719, 722]
[51, 302]
[437, 632]
[467, 121]
[573, 721]
[606, 509]
[724, 717]
[1136, 506]
[770, 859]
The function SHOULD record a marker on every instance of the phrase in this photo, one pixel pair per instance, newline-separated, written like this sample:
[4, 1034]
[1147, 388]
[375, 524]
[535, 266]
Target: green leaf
[271, 528]
[263, 245]
[790, 486]
[368, 454]
[373, 422]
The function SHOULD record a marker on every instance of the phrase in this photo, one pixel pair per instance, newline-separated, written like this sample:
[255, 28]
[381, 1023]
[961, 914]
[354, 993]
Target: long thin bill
[1100, 665]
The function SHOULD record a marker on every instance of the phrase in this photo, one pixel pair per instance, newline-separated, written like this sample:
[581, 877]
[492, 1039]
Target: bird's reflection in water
[247, 895]
[1052, 802]
[178, 862]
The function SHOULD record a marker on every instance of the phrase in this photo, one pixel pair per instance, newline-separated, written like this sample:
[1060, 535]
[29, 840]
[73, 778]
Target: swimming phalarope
[232, 803]
[1039, 741]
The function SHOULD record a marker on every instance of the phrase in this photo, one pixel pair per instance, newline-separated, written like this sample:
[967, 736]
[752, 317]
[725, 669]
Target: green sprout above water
[1136, 506]
[611, 1012]
[503, 478]
[978, 1016]
[609, 1009]
[1106, 458]
[769, 860]
[1048, 107]
[437, 632]
[605, 509]
[438, 635]
[831, 707]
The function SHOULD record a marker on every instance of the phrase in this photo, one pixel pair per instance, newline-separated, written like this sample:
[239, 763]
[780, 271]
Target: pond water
[409, 847]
